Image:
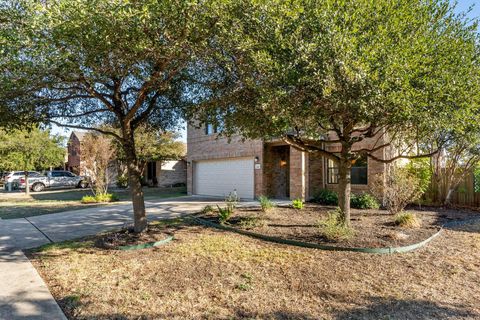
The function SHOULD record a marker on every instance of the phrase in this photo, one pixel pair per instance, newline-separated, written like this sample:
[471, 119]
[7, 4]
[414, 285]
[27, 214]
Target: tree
[323, 73]
[154, 145]
[459, 156]
[32, 149]
[97, 154]
[81, 64]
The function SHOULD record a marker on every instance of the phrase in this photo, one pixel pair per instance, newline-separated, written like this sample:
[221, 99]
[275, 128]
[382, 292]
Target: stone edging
[387, 250]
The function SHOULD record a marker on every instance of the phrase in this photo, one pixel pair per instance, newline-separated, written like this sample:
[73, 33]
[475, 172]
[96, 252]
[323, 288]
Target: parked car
[55, 179]
[14, 176]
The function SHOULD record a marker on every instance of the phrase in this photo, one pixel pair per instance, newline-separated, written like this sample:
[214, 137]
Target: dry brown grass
[208, 274]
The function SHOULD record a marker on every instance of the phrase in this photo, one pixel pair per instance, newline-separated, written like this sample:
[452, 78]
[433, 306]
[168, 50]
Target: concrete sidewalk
[23, 294]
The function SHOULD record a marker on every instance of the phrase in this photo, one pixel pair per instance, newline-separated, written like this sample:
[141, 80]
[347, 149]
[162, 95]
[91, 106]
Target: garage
[220, 177]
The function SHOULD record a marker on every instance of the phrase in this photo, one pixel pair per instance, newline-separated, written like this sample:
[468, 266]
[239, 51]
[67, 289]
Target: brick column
[297, 174]
[189, 177]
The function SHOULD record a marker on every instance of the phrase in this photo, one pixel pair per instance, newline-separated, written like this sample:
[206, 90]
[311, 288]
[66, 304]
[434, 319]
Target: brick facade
[282, 171]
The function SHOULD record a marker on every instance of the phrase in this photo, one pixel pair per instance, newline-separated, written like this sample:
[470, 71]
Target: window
[332, 172]
[358, 172]
[209, 129]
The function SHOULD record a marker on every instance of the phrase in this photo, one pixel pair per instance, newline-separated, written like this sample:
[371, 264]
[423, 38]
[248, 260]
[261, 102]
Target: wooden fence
[467, 193]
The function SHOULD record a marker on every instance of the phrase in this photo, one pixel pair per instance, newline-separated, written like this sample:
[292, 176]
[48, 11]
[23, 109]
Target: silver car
[55, 179]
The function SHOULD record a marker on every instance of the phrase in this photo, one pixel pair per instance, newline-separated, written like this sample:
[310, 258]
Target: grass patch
[407, 220]
[65, 245]
[332, 229]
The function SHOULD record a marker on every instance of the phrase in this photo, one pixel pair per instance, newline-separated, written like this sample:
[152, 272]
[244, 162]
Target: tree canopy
[85, 63]
[323, 73]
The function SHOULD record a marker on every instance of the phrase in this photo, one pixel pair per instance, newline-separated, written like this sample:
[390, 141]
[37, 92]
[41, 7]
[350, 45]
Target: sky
[462, 6]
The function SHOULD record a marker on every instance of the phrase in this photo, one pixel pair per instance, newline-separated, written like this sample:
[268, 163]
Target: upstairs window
[209, 129]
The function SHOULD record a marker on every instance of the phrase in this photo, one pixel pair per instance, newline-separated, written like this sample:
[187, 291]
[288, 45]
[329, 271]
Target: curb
[146, 245]
[386, 250]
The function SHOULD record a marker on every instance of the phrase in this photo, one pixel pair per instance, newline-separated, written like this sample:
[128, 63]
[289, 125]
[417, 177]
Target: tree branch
[113, 134]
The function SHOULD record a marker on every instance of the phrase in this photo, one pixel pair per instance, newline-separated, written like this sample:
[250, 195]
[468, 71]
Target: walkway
[23, 294]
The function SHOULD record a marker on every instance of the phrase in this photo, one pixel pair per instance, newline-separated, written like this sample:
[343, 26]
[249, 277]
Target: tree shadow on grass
[384, 308]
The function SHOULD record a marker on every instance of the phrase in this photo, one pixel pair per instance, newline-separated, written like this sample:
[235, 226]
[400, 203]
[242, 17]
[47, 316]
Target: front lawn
[211, 274]
[17, 205]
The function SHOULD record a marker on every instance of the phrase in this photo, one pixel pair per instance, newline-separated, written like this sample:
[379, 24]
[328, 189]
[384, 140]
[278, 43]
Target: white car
[14, 176]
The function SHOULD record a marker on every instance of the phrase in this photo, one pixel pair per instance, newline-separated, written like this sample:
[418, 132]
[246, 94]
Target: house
[74, 162]
[158, 173]
[216, 167]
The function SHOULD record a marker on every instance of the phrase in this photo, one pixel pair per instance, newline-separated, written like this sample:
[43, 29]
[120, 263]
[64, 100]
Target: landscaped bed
[212, 274]
[371, 228]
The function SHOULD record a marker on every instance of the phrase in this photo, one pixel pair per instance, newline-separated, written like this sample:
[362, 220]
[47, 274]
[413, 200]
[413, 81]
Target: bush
[407, 220]
[326, 197]
[101, 197]
[224, 214]
[332, 229]
[122, 181]
[400, 189]
[89, 199]
[265, 203]
[364, 201]
[297, 204]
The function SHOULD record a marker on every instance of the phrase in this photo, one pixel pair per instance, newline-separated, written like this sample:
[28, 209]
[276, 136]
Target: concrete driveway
[23, 293]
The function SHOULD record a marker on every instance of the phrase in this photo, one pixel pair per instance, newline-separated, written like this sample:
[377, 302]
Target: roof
[79, 134]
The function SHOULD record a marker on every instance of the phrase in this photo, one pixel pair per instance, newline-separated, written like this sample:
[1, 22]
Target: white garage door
[220, 177]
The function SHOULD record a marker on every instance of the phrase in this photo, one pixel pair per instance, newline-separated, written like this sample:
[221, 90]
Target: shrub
[122, 181]
[297, 204]
[332, 229]
[224, 214]
[326, 197]
[266, 203]
[101, 197]
[232, 200]
[407, 220]
[89, 199]
[400, 188]
[364, 201]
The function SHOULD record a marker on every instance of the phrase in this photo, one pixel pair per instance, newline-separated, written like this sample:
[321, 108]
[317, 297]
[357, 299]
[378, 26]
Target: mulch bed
[373, 228]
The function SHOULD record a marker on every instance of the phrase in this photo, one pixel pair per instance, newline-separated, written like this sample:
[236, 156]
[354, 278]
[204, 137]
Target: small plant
[208, 209]
[407, 220]
[122, 181]
[89, 199]
[364, 201]
[265, 203]
[326, 197]
[231, 201]
[332, 229]
[101, 197]
[224, 214]
[297, 204]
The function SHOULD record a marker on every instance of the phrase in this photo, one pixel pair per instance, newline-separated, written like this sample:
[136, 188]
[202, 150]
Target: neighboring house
[216, 167]
[168, 173]
[159, 173]
[74, 163]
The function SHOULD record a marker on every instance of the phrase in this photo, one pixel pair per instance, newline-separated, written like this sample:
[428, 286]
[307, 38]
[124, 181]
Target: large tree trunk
[134, 174]
[27, 185]
[344, 188]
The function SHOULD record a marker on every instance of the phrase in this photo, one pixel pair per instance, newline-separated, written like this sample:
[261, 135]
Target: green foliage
[224, 214]
[297, 204]
[407, 220]
[30, 149]
[326, 197]
[422, 170]
[266, 204]
[122, 181]
[231, 201]
[364, 201]
[476, 179]
[333, 229]
[99, 198]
